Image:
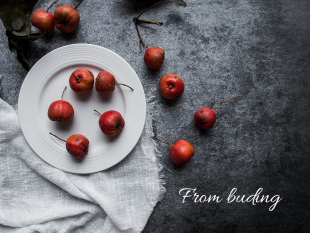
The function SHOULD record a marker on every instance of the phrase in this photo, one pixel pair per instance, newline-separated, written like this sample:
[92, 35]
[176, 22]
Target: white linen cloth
[36, 197]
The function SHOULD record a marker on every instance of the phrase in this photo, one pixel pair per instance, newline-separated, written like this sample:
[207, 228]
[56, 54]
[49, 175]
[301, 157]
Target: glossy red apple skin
[60, 110]
[43, 20]
[181, 152]
[105, 82]
[111, 123]
[205, 118]
[77, 146]
[66, 18]
[154, 57]
[82, 81]
[171, 86]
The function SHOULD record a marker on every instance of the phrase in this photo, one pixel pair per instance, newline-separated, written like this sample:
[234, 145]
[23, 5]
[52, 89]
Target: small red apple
[171, 86]
[154, 57]
[180, 152]
[105, 83]
[205, 117]
[60, 110]
[82, 81]
[66, 18]
[43, 20]
[76, 145]
[111, 123]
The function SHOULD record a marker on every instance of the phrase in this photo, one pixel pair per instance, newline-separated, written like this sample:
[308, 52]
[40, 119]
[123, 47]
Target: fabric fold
[38, 197]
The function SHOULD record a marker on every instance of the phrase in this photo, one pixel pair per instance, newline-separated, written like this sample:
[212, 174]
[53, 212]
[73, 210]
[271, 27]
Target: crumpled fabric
[36, 197]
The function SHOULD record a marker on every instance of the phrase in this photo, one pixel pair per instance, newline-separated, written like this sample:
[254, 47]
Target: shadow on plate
[64, 126]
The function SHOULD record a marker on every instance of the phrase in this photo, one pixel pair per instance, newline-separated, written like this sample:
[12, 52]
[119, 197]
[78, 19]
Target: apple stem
[160, 140]
[63, 92]
[140, 37]
[140, 21]
[140, 44]
[97, 112]
[77, 78]
[76, 5]
[150, 8]
[137, 21]
[123, 85]
[51, 5]
[57, 137]
[225, 102]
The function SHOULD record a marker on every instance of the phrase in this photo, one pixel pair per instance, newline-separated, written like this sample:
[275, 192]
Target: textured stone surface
[257, 49]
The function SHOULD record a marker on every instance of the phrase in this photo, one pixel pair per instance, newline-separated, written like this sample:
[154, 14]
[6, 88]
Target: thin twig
[140, 44]
[225, 102]
[78, 4]
[151, 7]
[63, 92]
[57, 137]
[97, 112]
[124, 85]
[134, 19]
[51, 5]
[160, 140]
[140, 21]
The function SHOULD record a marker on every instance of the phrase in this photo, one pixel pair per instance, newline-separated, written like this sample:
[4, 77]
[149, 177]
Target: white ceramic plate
[44, 84]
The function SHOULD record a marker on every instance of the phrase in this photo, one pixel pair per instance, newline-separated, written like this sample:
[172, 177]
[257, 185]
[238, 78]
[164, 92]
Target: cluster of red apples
[171, 87]
[111, 122]
[65, 18]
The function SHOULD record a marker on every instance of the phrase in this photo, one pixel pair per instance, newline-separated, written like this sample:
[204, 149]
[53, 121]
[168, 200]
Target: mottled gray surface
[257, 49]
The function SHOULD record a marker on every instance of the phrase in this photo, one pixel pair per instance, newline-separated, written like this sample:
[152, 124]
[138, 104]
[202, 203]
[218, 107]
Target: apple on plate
[111, 122]
[60, 110]
[105, 83]
[77, 145]
[82, 81]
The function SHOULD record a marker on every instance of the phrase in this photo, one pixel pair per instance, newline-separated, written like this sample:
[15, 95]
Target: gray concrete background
[257, 49]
